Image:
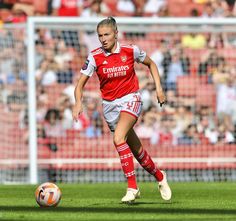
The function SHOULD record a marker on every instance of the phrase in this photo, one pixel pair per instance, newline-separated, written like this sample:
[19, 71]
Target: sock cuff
[121, 147]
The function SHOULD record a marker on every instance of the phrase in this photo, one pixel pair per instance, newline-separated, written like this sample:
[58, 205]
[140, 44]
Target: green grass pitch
[101, 202]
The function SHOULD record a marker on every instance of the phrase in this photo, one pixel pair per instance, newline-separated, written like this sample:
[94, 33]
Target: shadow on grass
[117, 209]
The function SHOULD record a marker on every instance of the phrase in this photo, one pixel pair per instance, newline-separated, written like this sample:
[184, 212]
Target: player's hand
[77, 109]
[161, 97]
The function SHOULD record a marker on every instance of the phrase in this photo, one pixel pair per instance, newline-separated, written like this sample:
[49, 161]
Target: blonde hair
[108, 21]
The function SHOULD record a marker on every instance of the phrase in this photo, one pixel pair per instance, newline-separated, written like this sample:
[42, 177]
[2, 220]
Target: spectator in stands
[220, 8]
[114, 65]
[166, 58]
[163, 11]
[95, 126]
[148, 126]
[226, 94]
[7, 57]
[65, 75]
[78, 60]
[64, 106]
[159, 54]
[69, 92]
[231, 4]
[173, 101]
[183, 116]
[96, 8]
[42, 106]
[224, 135]
[4, 92]
[209, 62]
[62, 54]
[49, 55]
[205, 128]
[146, 94]
[163, 56]
[208, 10]
[53, 124]
[165, 134]
[175, 70]
[66, 7]
[20, 11]
[185, 60]
[194, 12]
[218, 40]
[125, 7]
[46, 74]
[45, 46]
[190, 136]
[139, 8]
[90, 37]
[43, 140]
[18, 74]
[193, 41]
[23, 119]
[152, 7]
[5, 10]
[92, 9]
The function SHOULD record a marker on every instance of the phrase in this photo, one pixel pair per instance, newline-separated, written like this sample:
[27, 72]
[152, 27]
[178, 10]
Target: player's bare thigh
[125, 124]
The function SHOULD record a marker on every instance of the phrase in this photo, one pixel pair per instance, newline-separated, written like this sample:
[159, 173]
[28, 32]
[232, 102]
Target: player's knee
[118, 139]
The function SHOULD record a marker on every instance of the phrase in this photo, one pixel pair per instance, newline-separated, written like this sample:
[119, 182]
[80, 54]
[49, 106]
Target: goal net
[192, 137]
[13, 100]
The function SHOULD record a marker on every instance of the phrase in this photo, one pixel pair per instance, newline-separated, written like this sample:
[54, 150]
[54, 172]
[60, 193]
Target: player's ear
[116, 34]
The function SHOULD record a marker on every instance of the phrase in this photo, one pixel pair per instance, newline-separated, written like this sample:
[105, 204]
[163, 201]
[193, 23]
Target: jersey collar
[115, 52]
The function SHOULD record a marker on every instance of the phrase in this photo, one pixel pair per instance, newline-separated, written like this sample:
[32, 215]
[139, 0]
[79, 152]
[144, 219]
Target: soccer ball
[48, 195]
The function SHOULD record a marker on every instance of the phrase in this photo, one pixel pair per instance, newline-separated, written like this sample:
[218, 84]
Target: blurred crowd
[16, 11]
[198, 72]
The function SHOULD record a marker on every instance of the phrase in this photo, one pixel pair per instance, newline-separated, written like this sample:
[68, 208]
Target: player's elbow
[149, 62]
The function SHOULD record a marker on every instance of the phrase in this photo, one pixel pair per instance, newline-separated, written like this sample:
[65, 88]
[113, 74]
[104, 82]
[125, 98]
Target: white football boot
[164, 188]
[131, 195]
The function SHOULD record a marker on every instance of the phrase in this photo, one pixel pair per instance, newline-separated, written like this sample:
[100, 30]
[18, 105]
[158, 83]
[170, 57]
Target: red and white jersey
[67, 7]
[115, 70]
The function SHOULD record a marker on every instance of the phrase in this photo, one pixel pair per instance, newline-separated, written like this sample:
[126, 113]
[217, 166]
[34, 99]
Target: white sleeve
[89, 66]
[139, 55]
[56, 4]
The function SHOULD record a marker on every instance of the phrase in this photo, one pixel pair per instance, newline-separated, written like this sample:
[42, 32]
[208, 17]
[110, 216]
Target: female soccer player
[114, 65]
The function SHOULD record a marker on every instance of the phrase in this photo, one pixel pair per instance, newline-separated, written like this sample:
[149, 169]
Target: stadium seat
[186, 86]
[206, 95]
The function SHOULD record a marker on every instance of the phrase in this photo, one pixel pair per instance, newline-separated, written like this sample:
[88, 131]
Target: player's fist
[77, 109]
[161, 97]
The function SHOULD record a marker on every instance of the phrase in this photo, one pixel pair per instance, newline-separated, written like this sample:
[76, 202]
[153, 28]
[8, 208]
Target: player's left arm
[156, 77]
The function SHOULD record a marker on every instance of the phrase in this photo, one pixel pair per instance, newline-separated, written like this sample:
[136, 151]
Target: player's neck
[113, 49]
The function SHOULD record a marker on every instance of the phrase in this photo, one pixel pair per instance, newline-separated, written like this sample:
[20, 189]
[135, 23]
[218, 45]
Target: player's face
[107, 37]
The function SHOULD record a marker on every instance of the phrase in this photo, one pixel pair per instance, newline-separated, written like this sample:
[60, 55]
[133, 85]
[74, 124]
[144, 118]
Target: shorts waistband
[121, 98]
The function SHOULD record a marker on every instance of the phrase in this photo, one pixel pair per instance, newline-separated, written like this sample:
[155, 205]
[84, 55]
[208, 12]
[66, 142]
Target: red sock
[126, 159]
[146, 162]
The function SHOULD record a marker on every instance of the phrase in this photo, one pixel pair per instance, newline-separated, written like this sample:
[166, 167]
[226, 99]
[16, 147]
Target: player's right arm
[86, 72]
[78, 93]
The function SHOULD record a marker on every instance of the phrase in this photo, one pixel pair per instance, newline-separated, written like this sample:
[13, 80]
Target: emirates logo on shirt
[123, 58]
[116, 71]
